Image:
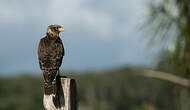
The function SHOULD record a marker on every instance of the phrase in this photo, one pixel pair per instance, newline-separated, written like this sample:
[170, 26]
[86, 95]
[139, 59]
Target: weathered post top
[65, 97]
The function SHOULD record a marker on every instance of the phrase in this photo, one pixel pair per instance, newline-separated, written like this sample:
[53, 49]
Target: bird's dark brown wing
[50, 53]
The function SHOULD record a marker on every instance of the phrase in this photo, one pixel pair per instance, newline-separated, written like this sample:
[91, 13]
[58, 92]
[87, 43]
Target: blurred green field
[119, 89]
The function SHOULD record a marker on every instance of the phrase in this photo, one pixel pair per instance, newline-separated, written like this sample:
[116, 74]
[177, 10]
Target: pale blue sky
[99, 34]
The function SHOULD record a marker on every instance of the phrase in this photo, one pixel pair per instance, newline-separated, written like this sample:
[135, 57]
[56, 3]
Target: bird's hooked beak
[61, 29]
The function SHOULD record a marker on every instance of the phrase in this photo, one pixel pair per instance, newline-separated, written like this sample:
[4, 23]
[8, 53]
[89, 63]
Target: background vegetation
[170, 24]
[119, 89]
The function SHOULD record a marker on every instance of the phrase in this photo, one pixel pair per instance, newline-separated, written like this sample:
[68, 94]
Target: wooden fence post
[66, 97]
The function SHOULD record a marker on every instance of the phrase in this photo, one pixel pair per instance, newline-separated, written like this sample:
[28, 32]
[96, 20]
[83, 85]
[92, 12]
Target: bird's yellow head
[54, 30]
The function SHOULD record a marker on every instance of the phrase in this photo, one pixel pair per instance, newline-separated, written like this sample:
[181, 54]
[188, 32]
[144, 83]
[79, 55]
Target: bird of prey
[50, 55]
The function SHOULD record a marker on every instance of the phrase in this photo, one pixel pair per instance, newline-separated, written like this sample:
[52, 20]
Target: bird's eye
[55, 28]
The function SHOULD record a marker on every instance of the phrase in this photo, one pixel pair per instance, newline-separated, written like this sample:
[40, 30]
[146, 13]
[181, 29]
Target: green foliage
[113, 90]
[21, 93]
[169, 21]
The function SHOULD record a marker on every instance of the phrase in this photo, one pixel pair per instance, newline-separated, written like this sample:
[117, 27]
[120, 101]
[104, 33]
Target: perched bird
[50, 55]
